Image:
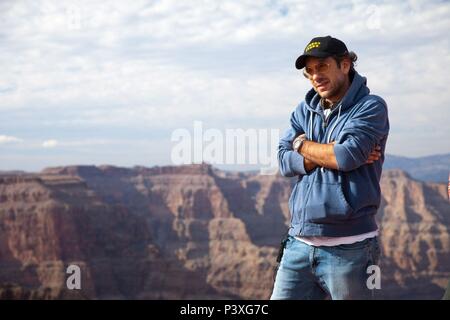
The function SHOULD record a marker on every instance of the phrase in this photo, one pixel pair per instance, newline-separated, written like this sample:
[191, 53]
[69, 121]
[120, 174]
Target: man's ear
[345, 66]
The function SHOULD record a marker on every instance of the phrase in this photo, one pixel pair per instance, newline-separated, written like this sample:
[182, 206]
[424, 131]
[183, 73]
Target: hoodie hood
[355, 92]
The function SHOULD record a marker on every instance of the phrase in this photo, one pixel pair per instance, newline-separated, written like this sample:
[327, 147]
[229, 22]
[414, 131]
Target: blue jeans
[339, 272]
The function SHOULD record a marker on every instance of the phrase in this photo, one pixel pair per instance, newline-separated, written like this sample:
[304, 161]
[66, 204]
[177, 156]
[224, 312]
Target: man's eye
[322, 67]
[309, 70]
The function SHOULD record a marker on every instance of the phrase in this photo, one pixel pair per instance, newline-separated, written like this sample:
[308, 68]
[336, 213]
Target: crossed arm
[358, 143]
[322, 154]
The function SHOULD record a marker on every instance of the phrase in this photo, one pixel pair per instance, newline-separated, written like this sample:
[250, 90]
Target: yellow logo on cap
[312, 45]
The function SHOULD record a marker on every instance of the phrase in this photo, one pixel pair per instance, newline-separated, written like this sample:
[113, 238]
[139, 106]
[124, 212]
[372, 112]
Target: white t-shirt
[326, 112]
[335, 241]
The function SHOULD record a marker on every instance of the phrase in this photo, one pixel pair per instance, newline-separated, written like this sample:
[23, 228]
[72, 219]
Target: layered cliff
[193, 231]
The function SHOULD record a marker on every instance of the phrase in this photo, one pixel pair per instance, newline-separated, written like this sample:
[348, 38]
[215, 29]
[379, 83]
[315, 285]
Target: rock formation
[191, 232]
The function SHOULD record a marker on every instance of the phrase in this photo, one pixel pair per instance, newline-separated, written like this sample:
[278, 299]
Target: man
[335, 145]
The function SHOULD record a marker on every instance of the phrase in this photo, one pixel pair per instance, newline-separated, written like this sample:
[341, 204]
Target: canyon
[192, 232]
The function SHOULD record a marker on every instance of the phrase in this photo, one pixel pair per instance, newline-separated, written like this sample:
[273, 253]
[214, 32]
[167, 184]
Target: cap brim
[301, 61]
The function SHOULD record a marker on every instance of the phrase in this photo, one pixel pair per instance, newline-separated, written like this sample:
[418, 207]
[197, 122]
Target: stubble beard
[335, 92]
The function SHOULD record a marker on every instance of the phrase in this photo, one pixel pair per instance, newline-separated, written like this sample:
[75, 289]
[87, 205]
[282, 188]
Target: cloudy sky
[108, 82]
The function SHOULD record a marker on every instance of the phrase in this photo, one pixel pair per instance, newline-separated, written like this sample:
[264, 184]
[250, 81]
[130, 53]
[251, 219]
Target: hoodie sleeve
[361, 133]
[290, 162]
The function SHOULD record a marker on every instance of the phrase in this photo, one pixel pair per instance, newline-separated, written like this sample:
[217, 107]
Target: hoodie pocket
[327, 204]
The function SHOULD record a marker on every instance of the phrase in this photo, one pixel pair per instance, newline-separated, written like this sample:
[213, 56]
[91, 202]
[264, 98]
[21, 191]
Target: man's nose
[315, 76]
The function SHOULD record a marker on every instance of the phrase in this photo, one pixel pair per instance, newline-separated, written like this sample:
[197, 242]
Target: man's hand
[374, 155]
[309, 165]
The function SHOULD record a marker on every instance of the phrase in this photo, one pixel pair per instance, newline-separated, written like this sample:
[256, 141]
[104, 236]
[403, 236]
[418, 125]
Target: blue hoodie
[343, 202]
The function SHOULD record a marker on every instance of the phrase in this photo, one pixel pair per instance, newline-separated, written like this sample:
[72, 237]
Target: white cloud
[9, 139]
[163, 64]
[50, 143]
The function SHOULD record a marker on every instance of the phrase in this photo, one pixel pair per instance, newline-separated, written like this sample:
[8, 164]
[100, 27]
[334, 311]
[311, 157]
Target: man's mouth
[322, 85]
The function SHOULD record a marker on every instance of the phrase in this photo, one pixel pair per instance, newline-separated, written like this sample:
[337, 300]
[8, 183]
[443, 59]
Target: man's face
[326, 77]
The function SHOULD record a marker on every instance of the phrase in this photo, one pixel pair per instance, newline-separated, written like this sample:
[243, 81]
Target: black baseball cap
[321, 47]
